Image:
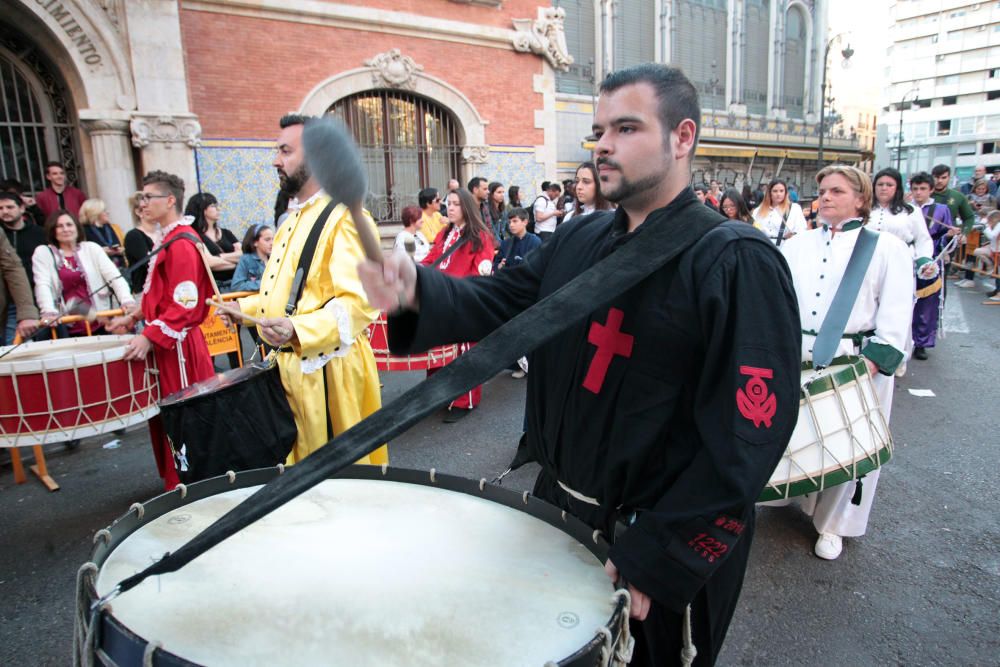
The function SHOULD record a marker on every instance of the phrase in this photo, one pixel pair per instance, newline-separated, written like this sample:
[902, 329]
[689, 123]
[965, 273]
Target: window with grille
[579, 27]
[756, 54]
[407, 143]
[698, 46]
[634, 25]
[35, 121]
[794, 81]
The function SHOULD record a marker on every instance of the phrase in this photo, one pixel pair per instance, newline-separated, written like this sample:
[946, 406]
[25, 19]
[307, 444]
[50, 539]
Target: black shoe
[72, 445]
[920, 353]
[993, 293]
[455, 415]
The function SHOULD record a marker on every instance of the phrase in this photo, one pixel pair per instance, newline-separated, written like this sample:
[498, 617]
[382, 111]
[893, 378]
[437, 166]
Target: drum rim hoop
[254, 371]
[854, 367]
[854, 471]
[128, 523]
[63, 357]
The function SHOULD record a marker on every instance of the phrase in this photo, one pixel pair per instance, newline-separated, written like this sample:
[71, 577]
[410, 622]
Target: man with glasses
[430, 204]
[173, 306]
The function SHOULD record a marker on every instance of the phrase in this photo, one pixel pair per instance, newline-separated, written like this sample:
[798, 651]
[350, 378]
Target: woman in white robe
[777, 210]
[877, 329]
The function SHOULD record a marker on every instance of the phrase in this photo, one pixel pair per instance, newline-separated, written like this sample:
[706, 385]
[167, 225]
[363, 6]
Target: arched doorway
[407, 143]
[36, 119]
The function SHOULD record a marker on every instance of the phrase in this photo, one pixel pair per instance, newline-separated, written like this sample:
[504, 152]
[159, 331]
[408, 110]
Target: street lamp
[846, 53]
[899, 139]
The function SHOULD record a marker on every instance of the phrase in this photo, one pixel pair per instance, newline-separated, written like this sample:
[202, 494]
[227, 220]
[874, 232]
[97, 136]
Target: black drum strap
[666, 237]
[306, 258]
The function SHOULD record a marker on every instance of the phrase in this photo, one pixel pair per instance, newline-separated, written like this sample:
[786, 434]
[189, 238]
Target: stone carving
[165, 129]
[102, 126]
[112, 9]
[475, 154]
[544, 36]
[394, 70]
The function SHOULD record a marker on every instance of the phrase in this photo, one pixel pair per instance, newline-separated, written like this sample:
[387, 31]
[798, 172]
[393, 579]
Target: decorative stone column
[168, 142]
[115, 173]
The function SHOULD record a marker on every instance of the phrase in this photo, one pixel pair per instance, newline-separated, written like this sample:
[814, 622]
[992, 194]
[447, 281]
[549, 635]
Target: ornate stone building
[758, 65]
[431, 88]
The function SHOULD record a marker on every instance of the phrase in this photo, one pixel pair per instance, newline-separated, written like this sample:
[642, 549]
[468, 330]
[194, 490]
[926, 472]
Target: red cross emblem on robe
[611, 341]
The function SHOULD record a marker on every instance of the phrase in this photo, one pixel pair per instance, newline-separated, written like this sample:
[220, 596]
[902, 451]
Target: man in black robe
[666, 411]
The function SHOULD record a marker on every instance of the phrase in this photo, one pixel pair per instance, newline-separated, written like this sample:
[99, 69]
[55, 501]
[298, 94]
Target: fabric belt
[857, 338]
[579, 496]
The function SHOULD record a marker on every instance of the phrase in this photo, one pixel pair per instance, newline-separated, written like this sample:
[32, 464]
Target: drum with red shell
[58, 390]
[436, 357]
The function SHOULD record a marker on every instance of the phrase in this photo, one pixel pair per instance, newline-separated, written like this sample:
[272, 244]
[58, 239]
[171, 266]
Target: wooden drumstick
[237, 313]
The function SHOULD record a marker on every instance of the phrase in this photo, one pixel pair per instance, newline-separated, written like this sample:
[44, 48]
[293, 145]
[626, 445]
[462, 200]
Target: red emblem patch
[755, 401]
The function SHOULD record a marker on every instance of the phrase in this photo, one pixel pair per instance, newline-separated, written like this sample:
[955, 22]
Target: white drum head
[357, 572]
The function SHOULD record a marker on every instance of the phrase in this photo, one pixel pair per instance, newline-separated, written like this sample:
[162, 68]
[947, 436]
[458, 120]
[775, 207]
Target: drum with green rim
[841, 433]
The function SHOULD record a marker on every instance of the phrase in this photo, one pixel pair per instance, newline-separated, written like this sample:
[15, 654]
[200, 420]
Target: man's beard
[627, 189]
[291, 184]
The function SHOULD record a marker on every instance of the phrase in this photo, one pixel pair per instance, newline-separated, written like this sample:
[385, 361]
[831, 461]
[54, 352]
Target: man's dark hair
[519, 213]
[12, 185]
[700, 187]
[554, 185]
[921, 177]
[474, 183]
[677, 96]
[290, 119]
[545, 185]
[940, 170]
[173, 184]
[54, 163]
[13, 196]
[426, 197]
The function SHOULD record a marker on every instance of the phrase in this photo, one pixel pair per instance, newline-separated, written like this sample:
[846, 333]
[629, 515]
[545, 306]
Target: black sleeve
[457, 310]
[228, 241]
[136, 246]
[745, 404]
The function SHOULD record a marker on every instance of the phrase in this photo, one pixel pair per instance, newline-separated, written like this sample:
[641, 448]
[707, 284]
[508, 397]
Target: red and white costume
[463, 263]
[173, 304]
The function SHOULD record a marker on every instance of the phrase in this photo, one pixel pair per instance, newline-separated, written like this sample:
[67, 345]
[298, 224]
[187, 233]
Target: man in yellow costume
[326, 363]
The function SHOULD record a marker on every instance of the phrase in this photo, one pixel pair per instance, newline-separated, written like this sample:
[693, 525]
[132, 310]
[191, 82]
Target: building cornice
[355, 17]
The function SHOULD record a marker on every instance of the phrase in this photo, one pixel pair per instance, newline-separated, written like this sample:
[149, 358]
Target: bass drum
[375, 566]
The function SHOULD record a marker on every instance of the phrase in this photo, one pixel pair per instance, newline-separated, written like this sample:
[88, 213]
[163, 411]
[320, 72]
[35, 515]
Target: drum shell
[436, 357]
[241, 426]
[52, 391]
[117, 645]
[840, 435]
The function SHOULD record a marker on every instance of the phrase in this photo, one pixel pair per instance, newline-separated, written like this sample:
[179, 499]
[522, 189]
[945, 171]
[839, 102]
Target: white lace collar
[294, 204]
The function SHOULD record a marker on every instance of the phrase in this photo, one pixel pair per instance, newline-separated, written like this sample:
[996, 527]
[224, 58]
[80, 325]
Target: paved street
[922, 588]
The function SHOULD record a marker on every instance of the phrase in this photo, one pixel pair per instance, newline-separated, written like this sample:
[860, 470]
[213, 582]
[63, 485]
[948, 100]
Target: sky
[865, 23]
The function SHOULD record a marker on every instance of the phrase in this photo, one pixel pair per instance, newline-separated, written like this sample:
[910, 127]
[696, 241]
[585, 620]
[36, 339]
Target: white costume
[420, 245]
[770, 224]
[881, 321]
[910, 228]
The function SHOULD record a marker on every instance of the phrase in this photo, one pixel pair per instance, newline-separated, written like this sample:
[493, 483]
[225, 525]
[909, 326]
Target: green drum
[841, 433]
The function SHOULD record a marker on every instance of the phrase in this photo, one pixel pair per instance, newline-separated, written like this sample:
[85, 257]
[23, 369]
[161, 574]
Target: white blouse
[910, 228]
[770, 224]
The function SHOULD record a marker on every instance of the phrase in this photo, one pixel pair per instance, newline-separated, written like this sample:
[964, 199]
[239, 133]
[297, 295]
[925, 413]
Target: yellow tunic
[330, 324]
[433, 224]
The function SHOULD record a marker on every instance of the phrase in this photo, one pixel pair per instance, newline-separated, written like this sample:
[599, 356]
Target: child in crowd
[989, 251]
[512, 252]
[256, 251]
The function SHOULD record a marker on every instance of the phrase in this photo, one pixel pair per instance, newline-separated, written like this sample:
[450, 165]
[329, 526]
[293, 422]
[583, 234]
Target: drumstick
[235, 312]
[334, 160]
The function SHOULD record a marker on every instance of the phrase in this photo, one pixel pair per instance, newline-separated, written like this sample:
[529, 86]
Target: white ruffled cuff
[167, 331]
[343, 331]
[485, 267]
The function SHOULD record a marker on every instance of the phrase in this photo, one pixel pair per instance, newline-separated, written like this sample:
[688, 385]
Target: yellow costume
[330, 325]
[433, 224]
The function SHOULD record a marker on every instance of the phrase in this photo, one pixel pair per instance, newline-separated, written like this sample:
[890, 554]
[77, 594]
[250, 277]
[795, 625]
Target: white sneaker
[995, 297]
[518, 374]
[901, 370]
[964, 283]
[829, 546]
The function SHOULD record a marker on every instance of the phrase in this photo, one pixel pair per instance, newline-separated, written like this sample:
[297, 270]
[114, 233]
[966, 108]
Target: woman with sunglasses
[432, 221]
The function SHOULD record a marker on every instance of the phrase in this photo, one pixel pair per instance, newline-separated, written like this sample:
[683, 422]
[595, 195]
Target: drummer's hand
[138, 348]
[277, 331]
[227, 320]
[928, 270]
[393, 286]
[25, 328]
[120, 325]
[640, 601]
